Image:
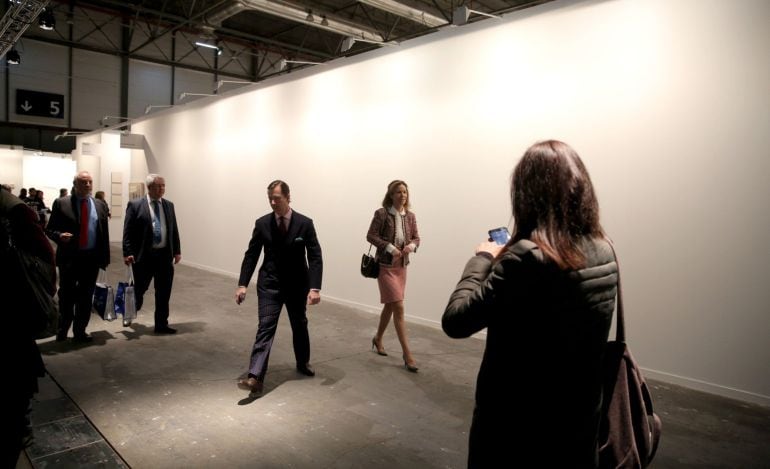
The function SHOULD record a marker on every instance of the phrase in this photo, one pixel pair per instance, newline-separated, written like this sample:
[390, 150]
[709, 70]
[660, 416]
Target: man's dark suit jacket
[285, 268]
[137, 229]
[65, 218]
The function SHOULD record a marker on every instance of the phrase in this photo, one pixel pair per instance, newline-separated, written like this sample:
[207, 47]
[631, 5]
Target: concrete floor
[135, 399]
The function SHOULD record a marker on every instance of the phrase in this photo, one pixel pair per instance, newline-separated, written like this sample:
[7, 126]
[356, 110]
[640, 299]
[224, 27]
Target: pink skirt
[392, 283]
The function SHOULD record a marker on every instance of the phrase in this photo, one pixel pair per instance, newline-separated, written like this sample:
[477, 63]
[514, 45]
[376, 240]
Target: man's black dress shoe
[251, 384]
[82, 338]
[165, 330]
[306, 369]
[61, 337]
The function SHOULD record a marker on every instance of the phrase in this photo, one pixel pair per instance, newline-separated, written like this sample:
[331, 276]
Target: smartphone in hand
[499, 235]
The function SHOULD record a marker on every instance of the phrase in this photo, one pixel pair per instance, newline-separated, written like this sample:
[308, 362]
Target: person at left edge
[151, 244]
[290, 274]
[82, 248]
[22, 364]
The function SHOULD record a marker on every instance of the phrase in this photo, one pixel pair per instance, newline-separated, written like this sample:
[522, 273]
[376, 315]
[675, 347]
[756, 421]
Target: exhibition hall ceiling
[253, 38]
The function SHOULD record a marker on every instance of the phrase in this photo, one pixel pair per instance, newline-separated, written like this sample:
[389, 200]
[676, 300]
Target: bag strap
[129, 274]
[620, 326]
[102, 278]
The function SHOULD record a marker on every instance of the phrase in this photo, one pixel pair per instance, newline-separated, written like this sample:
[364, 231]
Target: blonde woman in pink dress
[393, 232]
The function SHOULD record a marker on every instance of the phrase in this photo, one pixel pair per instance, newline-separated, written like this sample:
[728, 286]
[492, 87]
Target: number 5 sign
[35, 103]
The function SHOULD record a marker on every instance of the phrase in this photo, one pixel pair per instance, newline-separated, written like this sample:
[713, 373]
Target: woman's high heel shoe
[380, 351]
[412, 368]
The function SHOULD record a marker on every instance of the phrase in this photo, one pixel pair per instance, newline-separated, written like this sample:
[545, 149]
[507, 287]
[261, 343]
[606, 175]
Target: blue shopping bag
[104, 298]
[125, 300]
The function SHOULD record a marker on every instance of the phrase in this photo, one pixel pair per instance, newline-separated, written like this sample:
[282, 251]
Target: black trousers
[270, 305]
[77, 279]
[158, 265]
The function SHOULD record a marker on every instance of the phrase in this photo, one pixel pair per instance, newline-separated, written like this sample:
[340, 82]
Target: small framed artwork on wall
[135, 190]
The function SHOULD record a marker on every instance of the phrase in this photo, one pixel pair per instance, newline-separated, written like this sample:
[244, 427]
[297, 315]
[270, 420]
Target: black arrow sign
[35, 103]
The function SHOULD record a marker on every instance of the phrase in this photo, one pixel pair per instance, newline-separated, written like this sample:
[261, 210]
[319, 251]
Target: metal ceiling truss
[238, 46]
[316, 31]
[19, 14]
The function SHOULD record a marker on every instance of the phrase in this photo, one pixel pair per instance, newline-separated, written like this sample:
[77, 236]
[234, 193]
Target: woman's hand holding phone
[498, 237]
[490, 247]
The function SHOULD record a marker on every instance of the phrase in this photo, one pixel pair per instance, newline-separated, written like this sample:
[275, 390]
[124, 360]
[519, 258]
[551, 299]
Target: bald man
[78, 226]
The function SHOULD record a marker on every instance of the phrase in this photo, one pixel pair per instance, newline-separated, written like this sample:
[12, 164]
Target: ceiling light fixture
[46, 20]
[13, 57]
[310, 17]
[209, 46]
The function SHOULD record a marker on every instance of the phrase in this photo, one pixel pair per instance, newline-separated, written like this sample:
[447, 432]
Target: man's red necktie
[84, 223]
[282, 225]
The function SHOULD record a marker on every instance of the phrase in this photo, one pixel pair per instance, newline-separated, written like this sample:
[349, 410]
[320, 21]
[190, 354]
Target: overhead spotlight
[324, 21]
[209, 46]
[46, 20]
[13, 57]
[310, 18]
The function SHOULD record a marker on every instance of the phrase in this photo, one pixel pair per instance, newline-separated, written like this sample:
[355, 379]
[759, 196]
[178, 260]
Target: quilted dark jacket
[546, 333]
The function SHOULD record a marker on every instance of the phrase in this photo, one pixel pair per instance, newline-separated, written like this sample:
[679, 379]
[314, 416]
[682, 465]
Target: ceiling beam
[405, 11]
[300, 14]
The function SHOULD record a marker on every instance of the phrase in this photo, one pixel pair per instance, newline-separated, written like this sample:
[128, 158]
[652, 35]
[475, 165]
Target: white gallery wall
[666, 101]
[44, 171]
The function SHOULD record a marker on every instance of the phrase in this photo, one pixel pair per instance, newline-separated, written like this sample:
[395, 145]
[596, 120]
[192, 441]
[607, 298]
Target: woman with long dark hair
[546, 299]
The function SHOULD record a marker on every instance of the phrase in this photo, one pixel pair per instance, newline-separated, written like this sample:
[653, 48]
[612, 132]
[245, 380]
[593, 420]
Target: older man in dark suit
[151, 244]
[290, 275]
[78, 226]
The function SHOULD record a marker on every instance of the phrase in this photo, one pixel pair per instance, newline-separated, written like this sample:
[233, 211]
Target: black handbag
[35, 293]
[370, 266]
[36, 278]
[629, 430]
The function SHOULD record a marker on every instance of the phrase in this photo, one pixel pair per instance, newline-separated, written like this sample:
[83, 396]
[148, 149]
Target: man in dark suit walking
[290, 275]
[151, 244]
[78, 226]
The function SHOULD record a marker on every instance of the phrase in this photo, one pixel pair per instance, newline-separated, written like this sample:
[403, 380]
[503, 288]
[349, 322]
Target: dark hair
[387, 201]
[284, 187]
[554, 204]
